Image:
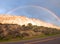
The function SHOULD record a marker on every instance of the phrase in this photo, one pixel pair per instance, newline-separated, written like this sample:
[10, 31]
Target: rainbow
[39, 7]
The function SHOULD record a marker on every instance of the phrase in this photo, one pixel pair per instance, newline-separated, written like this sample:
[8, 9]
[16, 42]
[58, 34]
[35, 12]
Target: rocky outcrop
[21, 20]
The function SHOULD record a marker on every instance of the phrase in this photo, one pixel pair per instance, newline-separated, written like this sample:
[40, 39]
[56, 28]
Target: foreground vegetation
[17, 32]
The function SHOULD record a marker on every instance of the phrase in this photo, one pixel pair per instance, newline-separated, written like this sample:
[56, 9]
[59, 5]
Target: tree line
[13, 31]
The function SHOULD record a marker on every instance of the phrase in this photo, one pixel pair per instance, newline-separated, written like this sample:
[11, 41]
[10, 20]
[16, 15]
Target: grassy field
[27, 38]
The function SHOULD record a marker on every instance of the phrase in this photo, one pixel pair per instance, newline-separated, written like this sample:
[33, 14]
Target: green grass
[31, 38]
[40, 36]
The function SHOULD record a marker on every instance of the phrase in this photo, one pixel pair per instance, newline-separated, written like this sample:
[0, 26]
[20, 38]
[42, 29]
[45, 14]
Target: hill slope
[21, 20]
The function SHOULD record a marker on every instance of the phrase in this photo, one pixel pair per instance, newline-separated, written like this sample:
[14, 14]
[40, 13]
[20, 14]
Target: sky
[40, 9]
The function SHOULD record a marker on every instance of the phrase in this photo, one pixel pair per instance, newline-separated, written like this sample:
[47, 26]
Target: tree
[29, 24]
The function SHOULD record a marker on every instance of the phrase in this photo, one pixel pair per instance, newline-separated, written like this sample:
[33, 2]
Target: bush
[12, 31]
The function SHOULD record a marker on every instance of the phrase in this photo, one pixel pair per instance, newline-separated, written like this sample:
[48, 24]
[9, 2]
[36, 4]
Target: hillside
[15, 32]
[21, 20]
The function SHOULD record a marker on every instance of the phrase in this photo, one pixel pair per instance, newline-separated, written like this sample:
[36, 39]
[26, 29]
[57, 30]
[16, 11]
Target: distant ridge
[21, 20]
